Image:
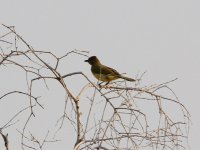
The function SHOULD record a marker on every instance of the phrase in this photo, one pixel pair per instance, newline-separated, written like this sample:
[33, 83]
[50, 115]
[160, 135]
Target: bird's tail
[127, 78]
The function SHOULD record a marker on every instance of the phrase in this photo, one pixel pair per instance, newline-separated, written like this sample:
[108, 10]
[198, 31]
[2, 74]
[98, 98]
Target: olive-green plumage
[104, 73]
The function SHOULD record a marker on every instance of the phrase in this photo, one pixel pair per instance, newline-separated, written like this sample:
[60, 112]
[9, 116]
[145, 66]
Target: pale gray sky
[160, 37]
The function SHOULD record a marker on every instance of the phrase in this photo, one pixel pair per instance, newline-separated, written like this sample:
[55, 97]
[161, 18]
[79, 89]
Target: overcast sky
[133, 36]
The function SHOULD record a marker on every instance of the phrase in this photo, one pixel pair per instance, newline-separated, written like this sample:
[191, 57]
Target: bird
[104, 73]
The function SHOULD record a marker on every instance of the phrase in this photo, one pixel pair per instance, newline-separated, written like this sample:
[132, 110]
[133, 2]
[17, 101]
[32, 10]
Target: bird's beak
[86, 61]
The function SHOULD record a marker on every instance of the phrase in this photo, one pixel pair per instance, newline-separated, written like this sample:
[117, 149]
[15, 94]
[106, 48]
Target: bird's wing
[105, 70]
[108, 71]
[113, 71]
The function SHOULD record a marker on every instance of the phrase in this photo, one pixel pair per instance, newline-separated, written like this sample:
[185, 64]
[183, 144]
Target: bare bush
[117, 116]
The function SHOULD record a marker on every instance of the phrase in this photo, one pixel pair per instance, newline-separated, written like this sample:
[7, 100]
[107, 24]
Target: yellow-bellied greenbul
[104, 73]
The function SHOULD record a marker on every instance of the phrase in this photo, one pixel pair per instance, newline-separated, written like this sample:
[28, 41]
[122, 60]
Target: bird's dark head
[93, 60]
